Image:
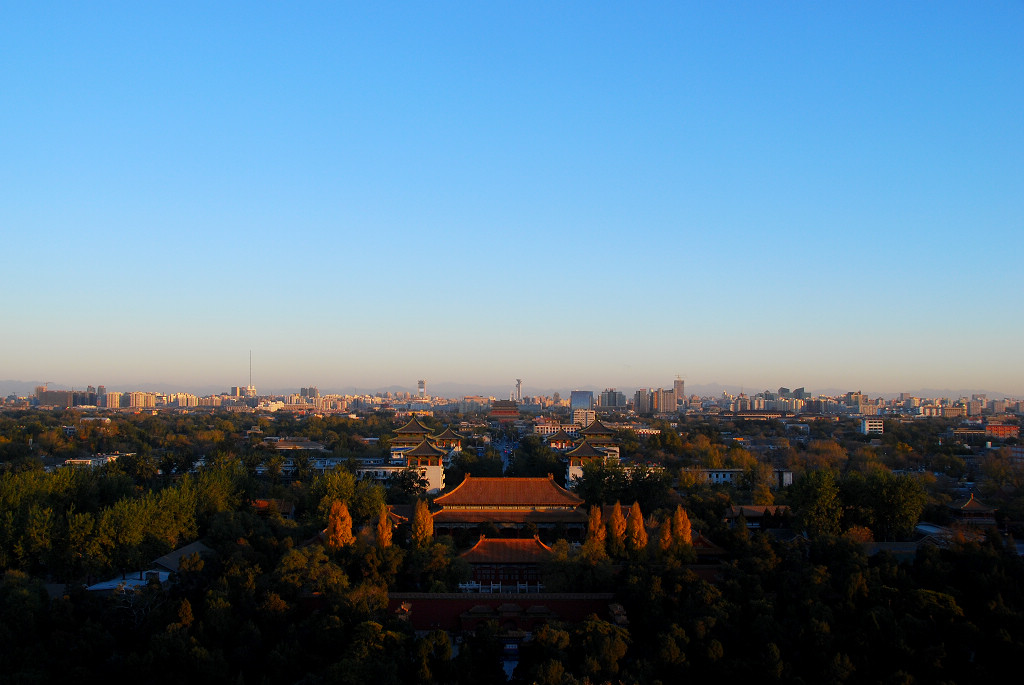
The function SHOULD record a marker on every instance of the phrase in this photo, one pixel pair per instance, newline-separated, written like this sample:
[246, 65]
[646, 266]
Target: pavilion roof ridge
[414, 425]
[425, 449]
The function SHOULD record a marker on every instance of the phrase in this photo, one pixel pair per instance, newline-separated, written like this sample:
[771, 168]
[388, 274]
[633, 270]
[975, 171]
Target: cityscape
[666, 402]
[495, 532]
[516, 343]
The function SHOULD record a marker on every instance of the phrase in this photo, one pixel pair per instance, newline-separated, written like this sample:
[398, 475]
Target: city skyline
[449, 390]
[748, 195]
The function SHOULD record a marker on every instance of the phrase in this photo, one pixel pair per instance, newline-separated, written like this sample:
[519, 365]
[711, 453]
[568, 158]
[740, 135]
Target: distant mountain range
[455, 390]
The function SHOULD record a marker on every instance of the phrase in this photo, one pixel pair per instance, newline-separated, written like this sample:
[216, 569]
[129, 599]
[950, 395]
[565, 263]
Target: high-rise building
[581, 399]
[678, 387]
[611, 398]
[142, 400]
[421, 387]
[642, 401]
[664, 401]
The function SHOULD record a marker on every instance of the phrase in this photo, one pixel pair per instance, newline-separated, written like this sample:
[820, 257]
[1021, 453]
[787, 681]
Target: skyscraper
[678, 387]
[642, 401]
[581, 399]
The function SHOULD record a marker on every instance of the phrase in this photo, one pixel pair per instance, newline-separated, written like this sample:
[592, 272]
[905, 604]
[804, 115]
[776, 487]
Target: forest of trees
[304, 600]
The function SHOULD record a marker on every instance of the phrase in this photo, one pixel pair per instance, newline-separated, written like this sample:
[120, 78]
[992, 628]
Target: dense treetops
[304, 600]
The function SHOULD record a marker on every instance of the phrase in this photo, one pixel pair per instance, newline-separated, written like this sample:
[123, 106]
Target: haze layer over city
[747, 195]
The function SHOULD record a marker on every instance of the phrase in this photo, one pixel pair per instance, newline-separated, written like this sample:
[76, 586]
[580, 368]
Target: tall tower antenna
[250, 368]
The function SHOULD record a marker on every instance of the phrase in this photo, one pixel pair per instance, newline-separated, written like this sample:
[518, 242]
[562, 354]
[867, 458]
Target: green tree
[815, 496]
[897, 503]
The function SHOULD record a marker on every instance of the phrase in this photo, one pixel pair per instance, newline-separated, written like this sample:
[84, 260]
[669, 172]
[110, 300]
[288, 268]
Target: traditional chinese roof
[478, 515]
[414, 426]
[400, 513]
[971, 506]
[705, 547]
[172, 560]
[596, 428]
[586, 451]
[561, 436]
[448, 434]
[756, 511]
[485, 492]
[425, 449]
[507, 551]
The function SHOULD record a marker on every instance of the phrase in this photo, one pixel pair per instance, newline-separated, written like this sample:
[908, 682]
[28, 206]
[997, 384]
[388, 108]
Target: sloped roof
[476, 516]
[971, 505]
[705, 547]
[448, 434]
[425, 449]
[585, 450]
[750, 511]
[560, 436]
[172, 560]
[596, 428]
[507, 551]
[414, 426]
[484, 492]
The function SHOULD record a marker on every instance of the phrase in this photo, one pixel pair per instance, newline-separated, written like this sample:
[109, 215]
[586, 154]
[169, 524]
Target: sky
[575, 194]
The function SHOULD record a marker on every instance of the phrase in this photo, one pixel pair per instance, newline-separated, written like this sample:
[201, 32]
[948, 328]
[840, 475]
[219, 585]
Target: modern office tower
[664, 401]
[678, 386]
[613, 399]
[642, 401]
[581, 399]
[421, 388]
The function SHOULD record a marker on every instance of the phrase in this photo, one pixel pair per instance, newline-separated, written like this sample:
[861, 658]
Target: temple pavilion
[409, 435]
[971, 512]
[413, 447]
[510, 505]
[599, 435]
[561, 441]
[448, 439]
[503, 560]
[598, 443]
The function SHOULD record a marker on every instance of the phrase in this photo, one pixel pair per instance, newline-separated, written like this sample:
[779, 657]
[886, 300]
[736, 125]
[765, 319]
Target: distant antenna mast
[250, 368]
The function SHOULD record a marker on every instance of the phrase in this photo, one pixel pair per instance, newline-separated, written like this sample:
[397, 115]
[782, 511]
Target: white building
[871, 426]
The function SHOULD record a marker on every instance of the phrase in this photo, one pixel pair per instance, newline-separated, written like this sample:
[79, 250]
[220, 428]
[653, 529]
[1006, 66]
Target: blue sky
[608, 194]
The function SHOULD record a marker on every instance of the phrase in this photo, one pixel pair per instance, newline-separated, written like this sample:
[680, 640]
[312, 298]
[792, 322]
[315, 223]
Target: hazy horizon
[457, 390]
